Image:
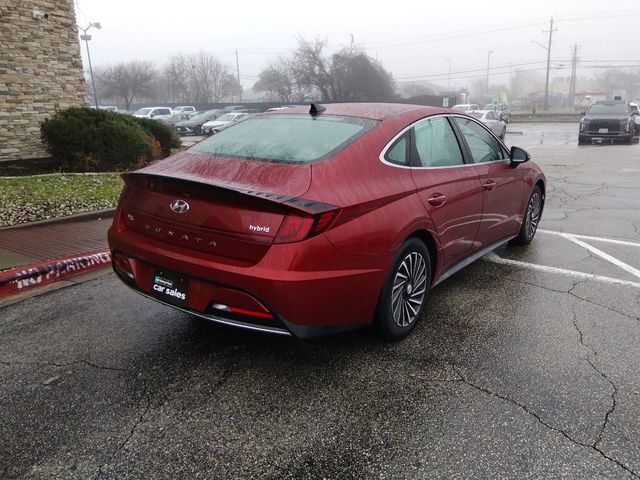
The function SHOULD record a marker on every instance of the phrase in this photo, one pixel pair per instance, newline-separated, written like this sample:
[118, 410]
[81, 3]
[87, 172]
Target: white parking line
[493, 257]
[609, 258]
[597, 239]
[606, 256]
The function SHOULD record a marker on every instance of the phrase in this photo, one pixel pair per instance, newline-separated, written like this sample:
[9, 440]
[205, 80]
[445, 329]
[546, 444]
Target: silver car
[492, 120]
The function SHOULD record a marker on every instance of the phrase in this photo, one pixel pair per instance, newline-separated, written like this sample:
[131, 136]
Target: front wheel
[531, 218]
[404, 294]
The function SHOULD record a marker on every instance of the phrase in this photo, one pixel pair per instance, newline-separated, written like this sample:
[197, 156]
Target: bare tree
[615, 81]
[312, 69]
[358, 77]
[175, 79]
[277, 80]
[126, 80]
[199, 78]
[349, 75]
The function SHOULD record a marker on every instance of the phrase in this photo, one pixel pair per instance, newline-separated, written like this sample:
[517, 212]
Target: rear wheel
[404, 294]
[531, 218]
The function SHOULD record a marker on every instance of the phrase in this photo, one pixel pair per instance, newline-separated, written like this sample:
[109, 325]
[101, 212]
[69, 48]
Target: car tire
[405, 291]
[531, 218]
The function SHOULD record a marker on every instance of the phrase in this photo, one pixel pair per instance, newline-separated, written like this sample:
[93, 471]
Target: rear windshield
[603, 108]
[285, 138]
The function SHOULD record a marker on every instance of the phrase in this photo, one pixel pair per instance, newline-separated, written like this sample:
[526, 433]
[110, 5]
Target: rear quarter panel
[380, 208]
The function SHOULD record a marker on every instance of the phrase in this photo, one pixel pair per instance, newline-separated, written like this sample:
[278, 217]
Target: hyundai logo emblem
[179, 206]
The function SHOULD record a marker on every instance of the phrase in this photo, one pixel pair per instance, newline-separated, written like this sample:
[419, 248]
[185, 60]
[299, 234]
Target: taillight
[296, 227]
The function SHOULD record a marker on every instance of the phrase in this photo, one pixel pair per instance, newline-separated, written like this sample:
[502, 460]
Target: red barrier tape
[19, 279]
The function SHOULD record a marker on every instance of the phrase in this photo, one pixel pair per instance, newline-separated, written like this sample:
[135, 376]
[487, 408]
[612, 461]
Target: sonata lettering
[163, 231]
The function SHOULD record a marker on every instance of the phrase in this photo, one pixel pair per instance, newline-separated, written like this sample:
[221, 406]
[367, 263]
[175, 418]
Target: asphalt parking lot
[525, 366]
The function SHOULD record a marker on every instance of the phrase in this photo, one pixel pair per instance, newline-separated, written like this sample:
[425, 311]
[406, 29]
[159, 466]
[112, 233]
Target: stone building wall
[40, 72]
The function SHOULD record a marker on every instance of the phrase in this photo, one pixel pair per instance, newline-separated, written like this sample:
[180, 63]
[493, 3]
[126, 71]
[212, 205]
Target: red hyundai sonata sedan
[313, 221]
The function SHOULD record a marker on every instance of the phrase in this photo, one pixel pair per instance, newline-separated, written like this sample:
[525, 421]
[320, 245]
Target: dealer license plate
[170, 287]
[603, 130]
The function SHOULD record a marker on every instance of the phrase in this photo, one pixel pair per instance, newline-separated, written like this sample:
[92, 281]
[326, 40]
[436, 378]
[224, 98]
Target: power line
[437, 77]
[482, 69]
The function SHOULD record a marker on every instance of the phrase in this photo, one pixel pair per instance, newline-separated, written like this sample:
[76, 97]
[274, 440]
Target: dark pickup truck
[607, 121]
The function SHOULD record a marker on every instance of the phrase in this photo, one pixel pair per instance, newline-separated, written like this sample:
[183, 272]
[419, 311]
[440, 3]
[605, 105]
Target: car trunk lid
[227, 207]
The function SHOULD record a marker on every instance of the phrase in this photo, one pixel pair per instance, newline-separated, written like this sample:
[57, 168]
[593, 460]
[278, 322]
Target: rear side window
[397, 154]
[286, 138]
[484, 147]
[436, 143]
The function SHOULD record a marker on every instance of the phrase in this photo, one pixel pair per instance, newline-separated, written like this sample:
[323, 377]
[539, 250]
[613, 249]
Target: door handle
[437, 199]
[489, 185]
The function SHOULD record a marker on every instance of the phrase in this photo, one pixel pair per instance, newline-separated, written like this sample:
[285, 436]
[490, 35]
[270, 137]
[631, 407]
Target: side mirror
[518, 155]
[583, 113]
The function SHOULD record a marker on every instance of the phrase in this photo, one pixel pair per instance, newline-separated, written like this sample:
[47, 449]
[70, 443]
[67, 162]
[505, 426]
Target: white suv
[154, 112]
[184, 109]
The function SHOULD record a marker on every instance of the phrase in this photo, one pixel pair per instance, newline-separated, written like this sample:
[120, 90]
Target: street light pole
[86, 39]
[449, 79]
[488, 59]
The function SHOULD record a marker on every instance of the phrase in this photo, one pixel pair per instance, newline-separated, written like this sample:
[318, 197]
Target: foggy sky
[412, 39]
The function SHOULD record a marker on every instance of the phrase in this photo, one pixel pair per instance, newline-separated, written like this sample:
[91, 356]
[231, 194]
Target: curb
[107, 212]
[21, 279]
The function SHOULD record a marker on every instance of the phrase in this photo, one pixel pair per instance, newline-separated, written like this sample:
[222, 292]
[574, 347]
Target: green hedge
[87, 139]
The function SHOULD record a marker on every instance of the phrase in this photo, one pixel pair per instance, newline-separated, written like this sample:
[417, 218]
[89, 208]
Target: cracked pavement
[513, 373]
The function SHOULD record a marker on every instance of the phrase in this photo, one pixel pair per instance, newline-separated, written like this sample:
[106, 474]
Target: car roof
[373, 111]
[609, 102]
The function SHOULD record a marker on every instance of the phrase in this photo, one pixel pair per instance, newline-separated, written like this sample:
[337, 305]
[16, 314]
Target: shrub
[162, 133]
[84, 139]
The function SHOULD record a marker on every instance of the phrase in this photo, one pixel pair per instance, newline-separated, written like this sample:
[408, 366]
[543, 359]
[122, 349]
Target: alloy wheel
[533, 213]
[409, 288]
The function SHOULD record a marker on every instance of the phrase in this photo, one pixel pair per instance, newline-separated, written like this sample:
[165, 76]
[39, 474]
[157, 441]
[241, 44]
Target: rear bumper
[340, 293]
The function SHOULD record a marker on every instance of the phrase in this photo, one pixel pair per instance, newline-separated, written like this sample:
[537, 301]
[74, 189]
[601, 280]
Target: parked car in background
[111, 108]
[248, 110]
[283, 107]
[231, 108]
[193, 126]
[635, 110]
[307, 222]
[184, 109]
[222, 122]
[178, 117]
[153, 112]
[502, 109]
[607, 121]
[466, 107]
[491, 120]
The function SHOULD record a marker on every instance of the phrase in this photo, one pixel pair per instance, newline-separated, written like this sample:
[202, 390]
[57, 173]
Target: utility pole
[572, 83]
[238, 73]
[449, 79]
[546, 88]
[488, 58]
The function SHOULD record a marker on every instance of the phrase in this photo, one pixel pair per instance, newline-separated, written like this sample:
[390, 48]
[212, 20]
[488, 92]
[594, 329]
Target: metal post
[546, 87]
[86, 39]
[93, 83]
[449, 79]
[488, 58]
[238, 73]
